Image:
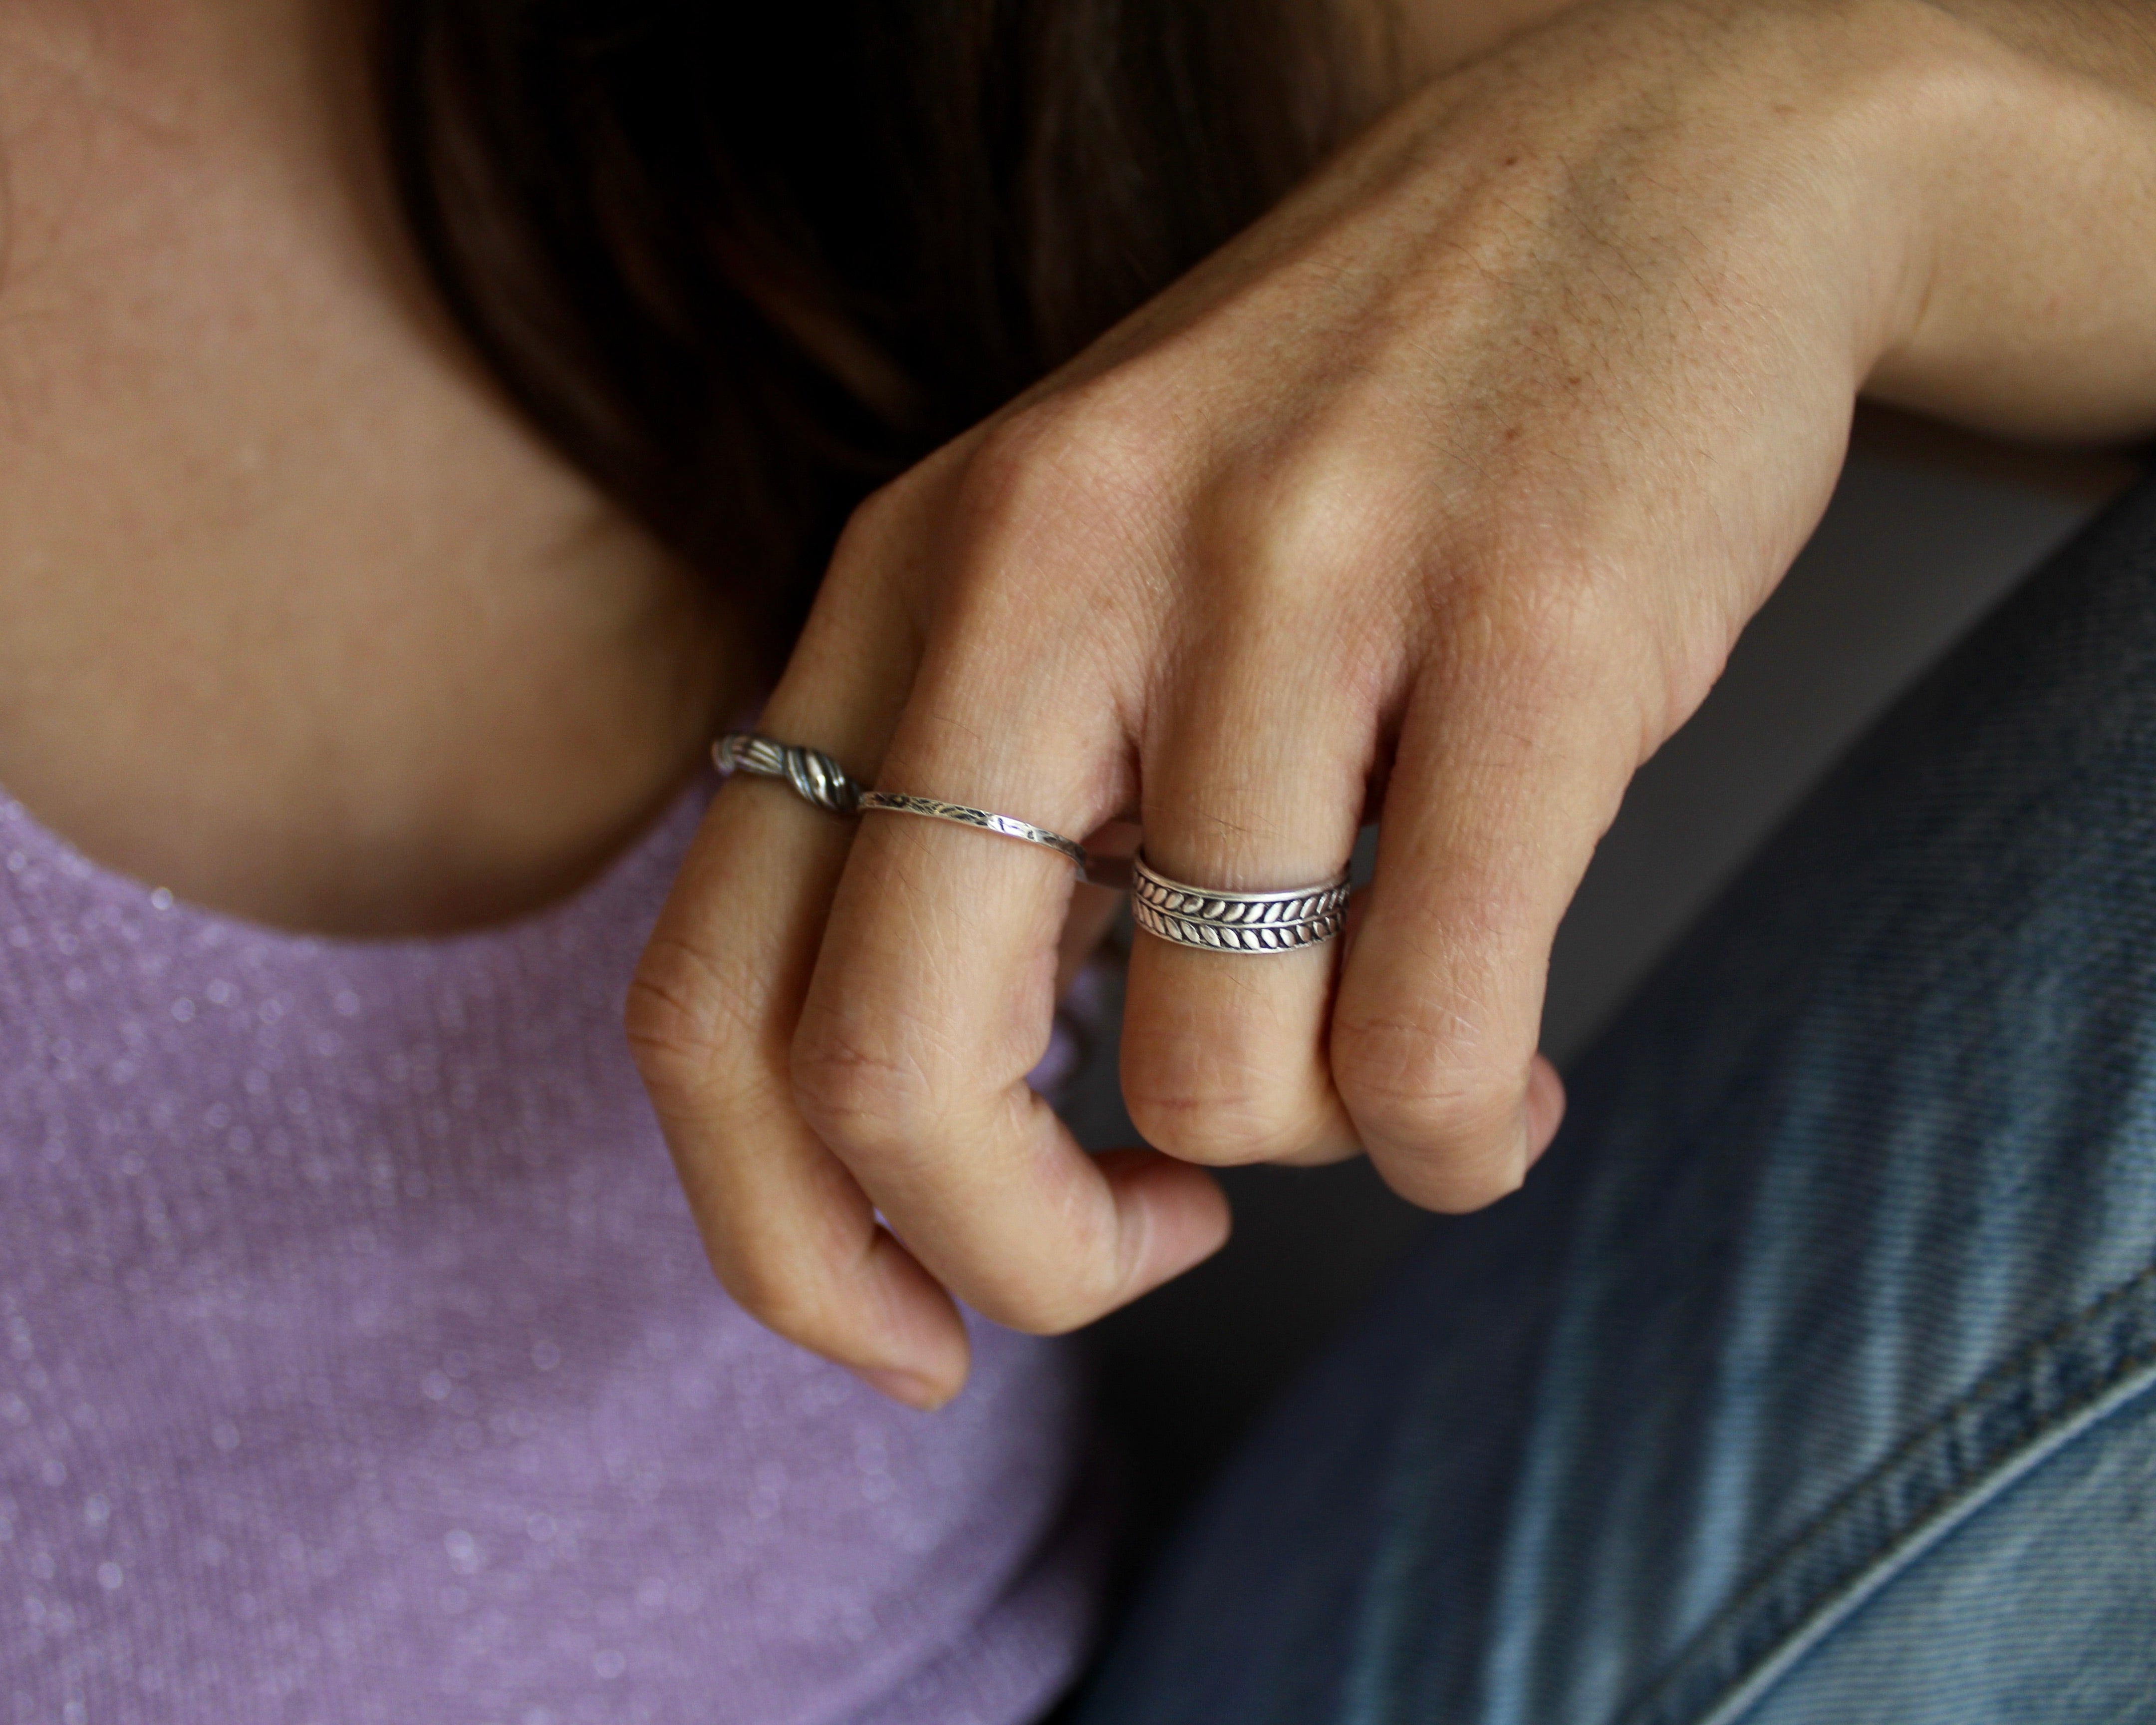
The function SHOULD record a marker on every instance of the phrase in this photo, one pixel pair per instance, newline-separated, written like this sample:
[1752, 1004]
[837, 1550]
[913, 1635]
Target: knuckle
[1415, 1085]
[1221, 1121]
[1547, 625]
[1081, 461]
[677, 1016]
[859, 1091]
[1050, 1289]
[876, 519]
[1530, 620]
[882, 523]
[1044, 576]
[1321, 505]
[1283, 537]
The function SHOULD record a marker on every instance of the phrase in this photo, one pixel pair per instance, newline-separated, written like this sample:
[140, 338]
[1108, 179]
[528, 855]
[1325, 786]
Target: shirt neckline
[657, 845]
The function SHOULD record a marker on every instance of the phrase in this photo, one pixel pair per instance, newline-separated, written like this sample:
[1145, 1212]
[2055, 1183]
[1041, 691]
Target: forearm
[2032, 136]
[2016, 140]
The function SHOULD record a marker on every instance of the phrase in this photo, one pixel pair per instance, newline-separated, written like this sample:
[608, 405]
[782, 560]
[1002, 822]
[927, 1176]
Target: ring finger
[1255, 784]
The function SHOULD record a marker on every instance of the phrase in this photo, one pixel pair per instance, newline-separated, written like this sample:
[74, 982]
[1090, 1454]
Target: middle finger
[933, 997]
[1254, 782]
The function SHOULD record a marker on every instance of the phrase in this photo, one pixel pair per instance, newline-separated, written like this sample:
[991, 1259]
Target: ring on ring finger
[1217, 921]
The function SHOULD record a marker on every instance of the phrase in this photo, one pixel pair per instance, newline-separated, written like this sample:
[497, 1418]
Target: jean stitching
[2005, 1425]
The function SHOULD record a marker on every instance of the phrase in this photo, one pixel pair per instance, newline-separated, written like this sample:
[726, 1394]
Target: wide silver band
[1284, 921]
[893, 802]
[811, 772]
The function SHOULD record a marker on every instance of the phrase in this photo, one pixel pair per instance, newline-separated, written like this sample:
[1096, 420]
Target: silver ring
[893, 803]
[811, 772]
[1284, 921]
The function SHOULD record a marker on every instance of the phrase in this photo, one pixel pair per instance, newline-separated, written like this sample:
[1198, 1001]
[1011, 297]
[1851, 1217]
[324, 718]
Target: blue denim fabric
[1813, 1377]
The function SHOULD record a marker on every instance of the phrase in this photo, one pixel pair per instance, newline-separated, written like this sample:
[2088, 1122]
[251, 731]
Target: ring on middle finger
[984, 820]
[1221, 921]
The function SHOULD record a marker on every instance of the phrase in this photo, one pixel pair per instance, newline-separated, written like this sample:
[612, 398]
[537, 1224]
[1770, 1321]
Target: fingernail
[903, 1388]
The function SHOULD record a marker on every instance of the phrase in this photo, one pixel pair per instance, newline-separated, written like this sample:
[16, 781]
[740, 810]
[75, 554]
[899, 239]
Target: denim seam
[2012, 1420]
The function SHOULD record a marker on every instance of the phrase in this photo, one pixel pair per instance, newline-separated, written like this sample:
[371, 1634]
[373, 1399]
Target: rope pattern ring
[814, 774]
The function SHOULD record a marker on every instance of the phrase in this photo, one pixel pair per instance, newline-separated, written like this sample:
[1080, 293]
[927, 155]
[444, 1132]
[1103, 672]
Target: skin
[295, 619]
[1444, 490]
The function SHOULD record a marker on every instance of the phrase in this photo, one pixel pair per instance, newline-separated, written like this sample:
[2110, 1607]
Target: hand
[1442, 492]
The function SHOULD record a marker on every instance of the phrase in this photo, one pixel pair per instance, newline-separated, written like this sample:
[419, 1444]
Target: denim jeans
[1813, 1376]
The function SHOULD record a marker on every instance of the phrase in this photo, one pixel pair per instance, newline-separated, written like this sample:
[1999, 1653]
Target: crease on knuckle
[1221, 1124]
[680, 1018]
[863, 1094]
[1416, 1083]
[1093, 1272]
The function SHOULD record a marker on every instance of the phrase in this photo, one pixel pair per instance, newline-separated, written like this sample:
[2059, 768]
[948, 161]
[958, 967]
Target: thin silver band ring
[818, 777]
[1010, 826]
[1221, 921]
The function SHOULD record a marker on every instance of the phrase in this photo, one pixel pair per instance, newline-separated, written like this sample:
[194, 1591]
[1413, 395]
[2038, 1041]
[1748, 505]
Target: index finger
[710, 1016]
[933, 999]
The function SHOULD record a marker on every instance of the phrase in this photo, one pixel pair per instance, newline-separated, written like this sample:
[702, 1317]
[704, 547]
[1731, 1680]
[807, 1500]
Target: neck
[295, 618]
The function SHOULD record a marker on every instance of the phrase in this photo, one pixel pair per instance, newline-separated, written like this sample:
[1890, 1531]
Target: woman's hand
[1444, 492]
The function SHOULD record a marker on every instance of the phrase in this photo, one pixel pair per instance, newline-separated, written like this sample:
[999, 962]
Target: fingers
[711, 1015]
[1093, 905]
[934, 998]
[790, 1233]
[1515, 752]
[1254, 782]
[836, 1020]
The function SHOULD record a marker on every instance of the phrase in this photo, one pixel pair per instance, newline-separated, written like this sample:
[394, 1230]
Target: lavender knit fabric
[358, 1362]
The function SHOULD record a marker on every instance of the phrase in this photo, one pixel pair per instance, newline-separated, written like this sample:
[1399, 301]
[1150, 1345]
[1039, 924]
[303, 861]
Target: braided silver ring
[1010, 825]
[812, 772]
[1284, 921]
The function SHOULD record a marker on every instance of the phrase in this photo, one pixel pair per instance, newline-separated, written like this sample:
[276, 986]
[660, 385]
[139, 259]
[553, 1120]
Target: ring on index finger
[1283, 921]
[814, 774]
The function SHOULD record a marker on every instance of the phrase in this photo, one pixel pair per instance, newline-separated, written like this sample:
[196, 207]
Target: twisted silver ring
[893, 803]
[812, 772]
[1284, 921]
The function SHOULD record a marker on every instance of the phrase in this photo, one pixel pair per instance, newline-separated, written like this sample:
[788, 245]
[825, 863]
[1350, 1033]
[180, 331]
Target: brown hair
[743, 263]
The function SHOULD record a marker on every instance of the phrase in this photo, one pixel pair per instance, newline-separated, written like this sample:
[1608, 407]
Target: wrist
[2026, 305]
[1879, 99]
[1827, 141]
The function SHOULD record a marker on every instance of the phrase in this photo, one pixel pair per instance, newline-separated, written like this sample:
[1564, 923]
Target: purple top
[358, 1361]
